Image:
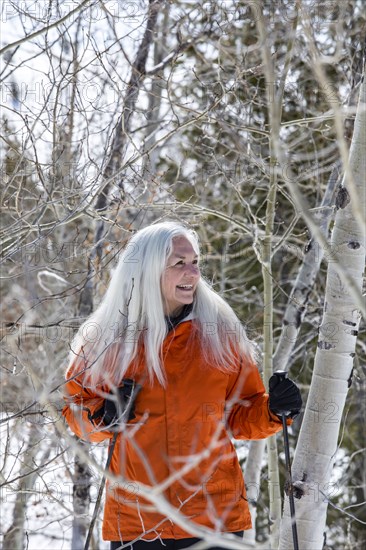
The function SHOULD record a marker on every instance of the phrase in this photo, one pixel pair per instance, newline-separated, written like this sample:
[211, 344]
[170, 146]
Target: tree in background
[231, 119]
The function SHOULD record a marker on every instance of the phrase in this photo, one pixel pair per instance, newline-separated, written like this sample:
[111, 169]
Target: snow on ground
[49, 510]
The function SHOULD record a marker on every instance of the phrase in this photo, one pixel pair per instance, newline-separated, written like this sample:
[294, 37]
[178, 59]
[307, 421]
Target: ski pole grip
[281, 374]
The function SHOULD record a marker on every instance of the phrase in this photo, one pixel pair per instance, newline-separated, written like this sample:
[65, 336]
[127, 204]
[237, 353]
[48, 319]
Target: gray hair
[131, 315]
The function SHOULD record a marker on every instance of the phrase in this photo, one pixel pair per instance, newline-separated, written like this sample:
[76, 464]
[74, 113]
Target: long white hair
[130, 317]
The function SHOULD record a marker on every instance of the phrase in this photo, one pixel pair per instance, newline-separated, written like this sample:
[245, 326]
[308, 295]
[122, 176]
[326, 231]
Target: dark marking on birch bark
[349, 381]
[82, 483]
[308, 246]
[354, 332]
[298, 493]
[298, 487]
[325, 345]
[298, 316]
[354, 245]
[342, 198]
[349, 323]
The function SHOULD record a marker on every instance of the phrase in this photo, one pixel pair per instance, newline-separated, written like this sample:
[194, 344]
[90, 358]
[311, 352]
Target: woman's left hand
[284, 397]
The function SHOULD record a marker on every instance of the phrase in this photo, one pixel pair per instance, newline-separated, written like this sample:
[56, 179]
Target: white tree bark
[295, 312]
[297, 303]
[252, 475]
[14, 536]
[81, 500]
[317, 444]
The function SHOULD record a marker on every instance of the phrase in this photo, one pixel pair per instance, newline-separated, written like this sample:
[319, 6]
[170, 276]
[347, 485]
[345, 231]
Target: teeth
[185, 286]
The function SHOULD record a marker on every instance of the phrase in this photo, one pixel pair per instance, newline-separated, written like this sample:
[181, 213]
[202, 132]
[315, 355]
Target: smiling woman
[181, 276]
[181, 345]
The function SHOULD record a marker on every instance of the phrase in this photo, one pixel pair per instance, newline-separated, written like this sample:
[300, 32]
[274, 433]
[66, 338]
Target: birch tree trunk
[81, 500]
[317, 445]
[252, 476]
[274, 97]
[297, 303]
[295, 312]
[155, 96]
[14, 536]
[273, 473]
[82, 473]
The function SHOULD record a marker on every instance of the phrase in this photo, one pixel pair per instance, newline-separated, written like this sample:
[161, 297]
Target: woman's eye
[181, 263]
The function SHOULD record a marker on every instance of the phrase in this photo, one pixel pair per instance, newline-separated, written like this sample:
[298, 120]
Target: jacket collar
[184, 315]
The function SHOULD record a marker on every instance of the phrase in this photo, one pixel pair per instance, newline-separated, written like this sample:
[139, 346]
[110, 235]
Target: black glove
[120, 408]
[284, 397]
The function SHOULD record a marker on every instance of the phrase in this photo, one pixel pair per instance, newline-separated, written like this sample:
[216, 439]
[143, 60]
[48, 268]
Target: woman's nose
[192, 269]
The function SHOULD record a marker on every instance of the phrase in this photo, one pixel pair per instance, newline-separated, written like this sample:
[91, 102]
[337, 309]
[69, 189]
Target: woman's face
[180, 277]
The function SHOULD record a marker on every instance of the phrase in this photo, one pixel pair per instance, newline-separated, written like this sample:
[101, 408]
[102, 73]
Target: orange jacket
[201, 408]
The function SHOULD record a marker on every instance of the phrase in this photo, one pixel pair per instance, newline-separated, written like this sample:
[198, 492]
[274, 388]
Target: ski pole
[100, 492]
[281, 375]
[131, 389]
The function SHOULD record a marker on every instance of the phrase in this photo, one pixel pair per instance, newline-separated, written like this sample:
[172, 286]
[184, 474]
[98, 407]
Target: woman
[161, 326]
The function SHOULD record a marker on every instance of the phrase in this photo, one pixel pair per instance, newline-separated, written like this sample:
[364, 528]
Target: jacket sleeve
[247, 412]
[81, 405]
